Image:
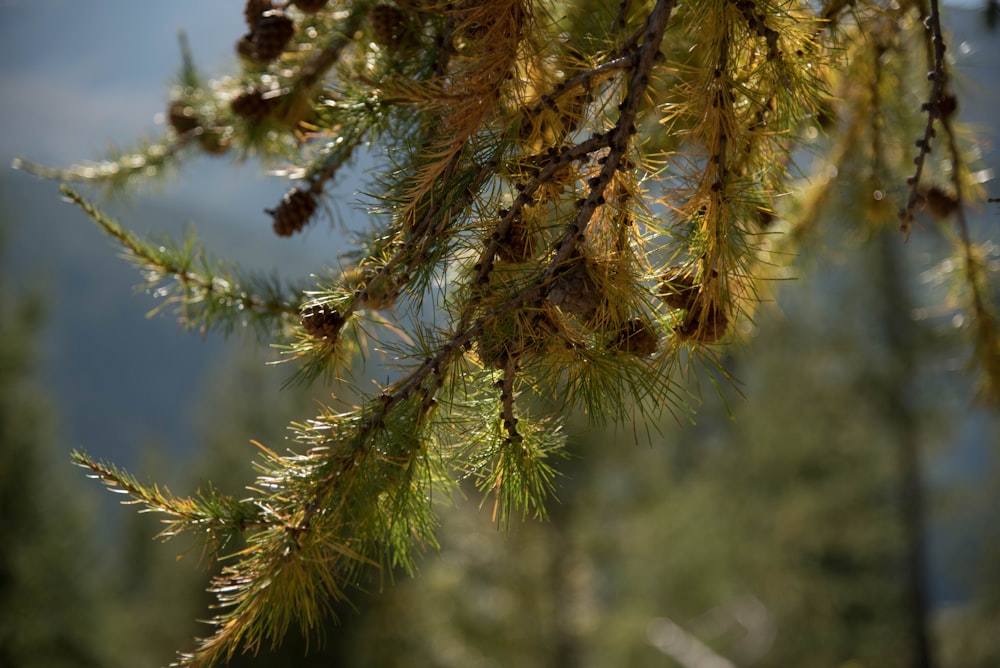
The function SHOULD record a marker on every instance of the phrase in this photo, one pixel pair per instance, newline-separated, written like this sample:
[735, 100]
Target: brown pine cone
[524, 336]
[254, 104]
[214, 140]
[677, 287]
[518, 245]
[706, 322]
[295, 210]
[321, 321]
[182, 117]
[938, 202]
[636, 337]
[271, 35]
[388, 25]
[254, 10]
[575, 291]
[244, 47]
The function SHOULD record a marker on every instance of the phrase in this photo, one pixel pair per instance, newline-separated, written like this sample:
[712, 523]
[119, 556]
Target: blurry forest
[768, 534]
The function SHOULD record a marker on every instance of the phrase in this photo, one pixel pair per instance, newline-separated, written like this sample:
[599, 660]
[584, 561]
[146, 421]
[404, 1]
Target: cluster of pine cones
[270, 28]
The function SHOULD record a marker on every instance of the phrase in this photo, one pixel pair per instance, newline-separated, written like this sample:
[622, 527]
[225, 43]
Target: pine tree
[50, 597]
[574, 205]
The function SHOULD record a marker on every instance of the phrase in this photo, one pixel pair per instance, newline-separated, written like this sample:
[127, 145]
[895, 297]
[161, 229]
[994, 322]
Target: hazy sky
[80, 77]
[75, 75]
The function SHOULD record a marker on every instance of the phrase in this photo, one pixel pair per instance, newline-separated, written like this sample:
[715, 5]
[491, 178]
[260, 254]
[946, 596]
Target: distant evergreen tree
[576, 200]
[50, 592]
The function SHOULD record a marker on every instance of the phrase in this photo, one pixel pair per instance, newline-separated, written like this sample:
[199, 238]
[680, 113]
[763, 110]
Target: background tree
[50, 596]
[588, 196]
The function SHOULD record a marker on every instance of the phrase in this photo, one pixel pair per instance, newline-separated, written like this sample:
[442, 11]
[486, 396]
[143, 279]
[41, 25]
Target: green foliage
[585, 195]
[205, 293]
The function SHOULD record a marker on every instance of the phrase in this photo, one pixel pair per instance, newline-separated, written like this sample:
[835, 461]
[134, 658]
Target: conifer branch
[206, 293]
[119, 168]
[367, 479]
[507, 399]
[214, 519]
[940, 109]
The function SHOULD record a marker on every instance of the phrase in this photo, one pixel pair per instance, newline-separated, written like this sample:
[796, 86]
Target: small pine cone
[254, 10]
[309, 6]
[321, 321]
[244, 47]
[576, 292]
[388, 25]
[677, 288]
[533, 336]
[271, 35]
[939, 202]
[214, 140]
[182, 118]
[518, 245]
[253, 104]
[637, 337]
[295, 210]
[705, 323]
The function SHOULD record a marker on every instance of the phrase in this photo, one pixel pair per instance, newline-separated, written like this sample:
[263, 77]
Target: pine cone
[636, 337]
[518, 245]
[244, 47]
[575, 291]
[706, 322]
[254, 104]
[938, 202]
[254, 10]
[321, 321]
[271, 35]
[214, 140]
[182, 117]
[309, 6]
[388, 25]
[295, 210]
[677, 287]
[533, 336]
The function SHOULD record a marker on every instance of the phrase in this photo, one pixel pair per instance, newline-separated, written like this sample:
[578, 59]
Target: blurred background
[774, 532]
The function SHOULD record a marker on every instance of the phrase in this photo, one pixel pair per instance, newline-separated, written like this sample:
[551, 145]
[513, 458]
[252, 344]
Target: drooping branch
[940, 109]
[206, 293]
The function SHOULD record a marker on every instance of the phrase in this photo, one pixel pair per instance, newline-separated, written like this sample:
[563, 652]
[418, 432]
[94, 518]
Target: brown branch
[507, 399]
[205, 284]
[618, 137]
[939, 107]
